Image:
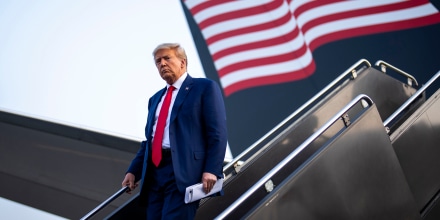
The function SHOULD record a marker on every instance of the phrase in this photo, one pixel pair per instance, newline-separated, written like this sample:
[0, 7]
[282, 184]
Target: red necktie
[160, 127]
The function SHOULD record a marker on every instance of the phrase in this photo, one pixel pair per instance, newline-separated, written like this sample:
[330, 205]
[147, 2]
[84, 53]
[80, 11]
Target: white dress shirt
[166, 134]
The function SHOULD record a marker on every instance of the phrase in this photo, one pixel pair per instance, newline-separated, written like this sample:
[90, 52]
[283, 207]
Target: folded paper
[195, 192]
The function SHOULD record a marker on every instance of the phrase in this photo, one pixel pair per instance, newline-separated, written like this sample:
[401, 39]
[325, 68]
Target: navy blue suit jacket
[198, 134]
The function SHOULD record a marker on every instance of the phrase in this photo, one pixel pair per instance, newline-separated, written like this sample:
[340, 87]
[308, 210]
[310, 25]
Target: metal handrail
[384, 64]
[292, 155]
[351, 70]
[105, 203]
[410, 100]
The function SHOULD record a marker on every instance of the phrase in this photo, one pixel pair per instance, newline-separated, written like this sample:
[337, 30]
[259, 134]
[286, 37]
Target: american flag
[263, 42]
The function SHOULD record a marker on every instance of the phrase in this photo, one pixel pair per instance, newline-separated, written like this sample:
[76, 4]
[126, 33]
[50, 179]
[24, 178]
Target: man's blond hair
[180, 52]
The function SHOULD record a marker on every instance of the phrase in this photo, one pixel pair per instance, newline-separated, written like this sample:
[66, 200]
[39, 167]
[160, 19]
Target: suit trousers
[164, 200]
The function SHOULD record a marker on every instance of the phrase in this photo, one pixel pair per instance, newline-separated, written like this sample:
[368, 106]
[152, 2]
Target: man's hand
[208, 180]
[129, 181]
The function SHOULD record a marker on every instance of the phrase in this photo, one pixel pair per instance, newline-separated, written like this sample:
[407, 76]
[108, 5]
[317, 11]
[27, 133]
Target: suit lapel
[152, 111]
[183, 92]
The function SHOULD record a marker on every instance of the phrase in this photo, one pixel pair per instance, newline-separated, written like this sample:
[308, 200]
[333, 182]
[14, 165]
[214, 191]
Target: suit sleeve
[137, 163]
[214, 115]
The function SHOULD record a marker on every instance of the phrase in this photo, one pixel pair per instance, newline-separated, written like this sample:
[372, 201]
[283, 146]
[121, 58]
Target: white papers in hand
[195, 192]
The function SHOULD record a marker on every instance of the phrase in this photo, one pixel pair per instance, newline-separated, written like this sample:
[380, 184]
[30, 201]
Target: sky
[86, 63]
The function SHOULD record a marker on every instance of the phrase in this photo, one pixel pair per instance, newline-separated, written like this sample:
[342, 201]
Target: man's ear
[183, 63]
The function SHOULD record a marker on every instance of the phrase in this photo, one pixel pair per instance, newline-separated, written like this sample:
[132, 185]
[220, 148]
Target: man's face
[170, 67]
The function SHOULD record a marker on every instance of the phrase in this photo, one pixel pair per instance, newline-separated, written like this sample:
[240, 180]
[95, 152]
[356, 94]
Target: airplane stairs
[364, 147]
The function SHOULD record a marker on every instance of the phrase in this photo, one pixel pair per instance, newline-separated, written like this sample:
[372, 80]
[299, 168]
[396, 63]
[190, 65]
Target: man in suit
[192, 143]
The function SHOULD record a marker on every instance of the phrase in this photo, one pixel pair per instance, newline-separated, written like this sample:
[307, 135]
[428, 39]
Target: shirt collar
[179, 82]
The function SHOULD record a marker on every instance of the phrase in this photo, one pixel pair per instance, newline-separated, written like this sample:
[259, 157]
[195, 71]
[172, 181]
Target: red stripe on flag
[239, 14]
[387, 27]
[260, 44]
[270, 80]
[207, 4]
[359, 12]
[263, 61]
[268, 25]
